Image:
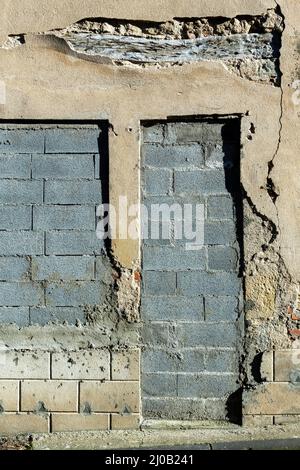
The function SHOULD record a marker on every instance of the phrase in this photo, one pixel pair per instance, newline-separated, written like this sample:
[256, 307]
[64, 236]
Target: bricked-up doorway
[52, 178]
[192, 301]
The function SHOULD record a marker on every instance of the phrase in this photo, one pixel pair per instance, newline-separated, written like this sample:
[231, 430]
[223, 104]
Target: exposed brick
[72, 243]
[272, 399]
[287, 365]
[15, 166]
[14, 269]
[159, 283]
[66, 192]
[16, 315]
[266, 366]
[221, 308]
[21, 294]
[63, 167]
[165, 259]
[220, 207]
[53, 395]
[79, 422]
[62, 267]
[15, 218]
[257, 421]
[21, 243]
[222, 258]
[172, 308]
[131, 421]
[44, 315]
[22, 192]
[11, 424]
[159, 385]
[158, 182]
[24, 365]
[81, 365]
[74, 295]
[64, 218]
[205, 385]
[186, 156]
[126, 365]
[9, 395]
[21, 141]
[110, 396]
[206, 283]
[206, 334]
[76, 140]
[200, 181]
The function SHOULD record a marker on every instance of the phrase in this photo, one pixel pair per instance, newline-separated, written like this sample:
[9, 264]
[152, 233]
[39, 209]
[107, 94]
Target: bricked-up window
[51, 262]
[192, 300]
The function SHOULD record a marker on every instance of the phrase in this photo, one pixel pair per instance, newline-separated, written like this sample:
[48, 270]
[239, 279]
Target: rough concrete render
[151, 100]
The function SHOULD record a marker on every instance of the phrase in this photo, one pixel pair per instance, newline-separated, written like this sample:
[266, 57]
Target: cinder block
[72, 243]
[257, 421]
[200, 182]
[159, 283]
[191, 360]
[16, 315]
[159, 360]
[14, 269]
[24, 365]
[221, 308]
[287, 365]
[173, 259]
[66, 192]
[15, 166]
[45, 315]
[11, 424]
[174, 408]
[112, 397]
[203, 334]
[220, 207]
[21, 243]
[172, 308]
[203, 283]
[55, 268]
[13, 140]
[159, 385]
[64, 422]
[126, 421]
[15, 217]
[156, 334]
[266, 366]
[272, 399]
[72, 140]
[154, 133]
[185, 132]
[219, 232]
[21, 294]
[104, 270]
[222, 361]
[64, 218]
[216, 408]
[206, 385]
[81, 365]
[158, 182]
[74, 294]
[222, 258]
[185, 156]
[21, 192]
[63, 166]
[9, 395]
[125, 365]
[222, 155]
[50, 395]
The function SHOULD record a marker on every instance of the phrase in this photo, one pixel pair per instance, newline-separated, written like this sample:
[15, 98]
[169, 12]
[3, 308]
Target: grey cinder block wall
[192, 301]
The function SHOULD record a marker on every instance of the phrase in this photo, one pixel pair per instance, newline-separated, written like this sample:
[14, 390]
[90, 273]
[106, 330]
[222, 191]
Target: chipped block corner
[162, 104]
